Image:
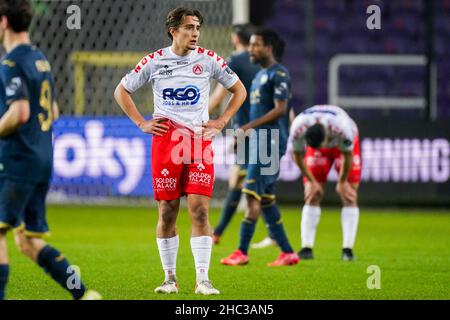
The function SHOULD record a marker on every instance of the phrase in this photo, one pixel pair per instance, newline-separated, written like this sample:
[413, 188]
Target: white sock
[168, 251]
[349, 220]
[310, 220]
[201, 250]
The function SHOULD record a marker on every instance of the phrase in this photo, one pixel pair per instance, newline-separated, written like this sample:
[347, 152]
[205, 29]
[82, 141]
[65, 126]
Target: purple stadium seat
[340, 27]
[330, 6]
[406, 6]
[327, 23]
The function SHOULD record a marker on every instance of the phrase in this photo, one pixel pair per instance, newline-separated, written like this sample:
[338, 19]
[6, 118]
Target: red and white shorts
[319, 162]
[181, 164]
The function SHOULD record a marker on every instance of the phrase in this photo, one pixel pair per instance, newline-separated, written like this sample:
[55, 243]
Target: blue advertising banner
[101, 156]
[111, 157]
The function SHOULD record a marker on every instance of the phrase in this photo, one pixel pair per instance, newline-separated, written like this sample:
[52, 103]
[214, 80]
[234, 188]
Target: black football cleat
[306, 254]
[347, 254]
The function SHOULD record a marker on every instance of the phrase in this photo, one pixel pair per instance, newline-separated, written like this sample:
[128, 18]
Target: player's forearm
[126, 103]
[9, 123]
[55, 111]
[345, 169]
[298, 158]
[237, 99]
[271, 116]
[17, 115]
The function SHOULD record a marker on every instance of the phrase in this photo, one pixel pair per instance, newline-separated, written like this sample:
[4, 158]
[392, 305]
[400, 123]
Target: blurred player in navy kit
[269, 118]
[27, 109]
[240, 63]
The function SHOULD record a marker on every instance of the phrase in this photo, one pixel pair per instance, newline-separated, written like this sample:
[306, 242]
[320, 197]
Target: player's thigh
[237, 176]
[319, 163]
[3, 247]
[167, 168]
[14, 196]
[254, 182]
[259, 188]
[168, 211]
[354, 176]
[198, 176]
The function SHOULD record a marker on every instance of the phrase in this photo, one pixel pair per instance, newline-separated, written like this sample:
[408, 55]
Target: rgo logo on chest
[186, 96]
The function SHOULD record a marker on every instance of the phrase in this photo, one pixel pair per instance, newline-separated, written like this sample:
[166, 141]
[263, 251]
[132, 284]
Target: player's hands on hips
[154, 126]
[313, 191]
[211, 128]
[346, 191]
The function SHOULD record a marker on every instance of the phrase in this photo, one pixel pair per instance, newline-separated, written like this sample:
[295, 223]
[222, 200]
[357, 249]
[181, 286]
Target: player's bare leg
[3, 248]
[349, 219]
[201, 242]
[310, 219]
[30, 247]
[168, 243]
[4, 264]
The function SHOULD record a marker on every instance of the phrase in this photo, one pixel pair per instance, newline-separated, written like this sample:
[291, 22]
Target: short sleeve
[223, 74]
[298, 144]
[346, 141]
[282, 84]
[14, 83]
[233, 64]
[137, 77]
[297, 133]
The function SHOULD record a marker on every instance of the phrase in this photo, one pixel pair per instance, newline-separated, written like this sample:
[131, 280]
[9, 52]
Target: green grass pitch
[115, 248]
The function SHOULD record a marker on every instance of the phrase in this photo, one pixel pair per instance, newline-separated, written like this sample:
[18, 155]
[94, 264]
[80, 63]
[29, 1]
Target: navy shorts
[263, 169]
[242, 157]
[22, 206]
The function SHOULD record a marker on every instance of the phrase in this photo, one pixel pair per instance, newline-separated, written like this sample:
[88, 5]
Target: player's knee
[167, 217]
[314, 201]
[347, 203]
[265, 203]
[200, 215]
[24, 245]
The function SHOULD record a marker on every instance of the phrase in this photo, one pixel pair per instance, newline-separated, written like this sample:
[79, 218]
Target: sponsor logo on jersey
[211, 54]
[43, 66]
[229, 71]
[348, 142]
[182, 63]
[165, 71]
[186, 96]
[197, 69]
[200, 178]
[146, 59]
[281, 88]
[13, 87]
[9, 63]
[165, 183]
[263, 79]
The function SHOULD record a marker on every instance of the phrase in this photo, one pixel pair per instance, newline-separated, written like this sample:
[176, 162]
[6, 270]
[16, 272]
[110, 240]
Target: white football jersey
[340, 128]
[180, 84]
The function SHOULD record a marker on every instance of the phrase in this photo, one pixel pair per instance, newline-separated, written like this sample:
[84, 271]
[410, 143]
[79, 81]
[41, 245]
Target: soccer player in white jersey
[320, 136]
[182, 157]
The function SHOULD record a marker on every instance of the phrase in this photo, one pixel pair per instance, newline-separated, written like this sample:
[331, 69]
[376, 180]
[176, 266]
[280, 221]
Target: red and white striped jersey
[340, 129]
[180, 84]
